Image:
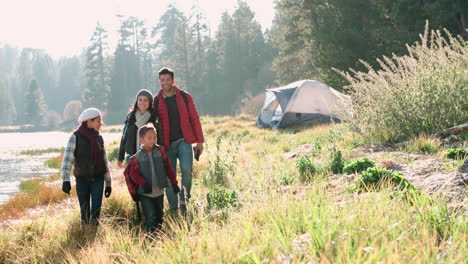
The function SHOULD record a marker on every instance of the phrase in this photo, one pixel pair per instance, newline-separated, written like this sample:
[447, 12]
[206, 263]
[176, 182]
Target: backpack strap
[184, 95]
[155, 114]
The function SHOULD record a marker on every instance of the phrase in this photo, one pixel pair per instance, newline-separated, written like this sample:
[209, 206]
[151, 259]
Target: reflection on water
[15, 167]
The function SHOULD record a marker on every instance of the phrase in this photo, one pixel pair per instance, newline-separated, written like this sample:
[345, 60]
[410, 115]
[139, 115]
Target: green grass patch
[337, 162]
[31, 186]
[358, 165]
[307, 169]
[456, 154]
[376, 178]
[424, 144]
[222, 163]
[220, 198]
[55, 162]
[35, 152]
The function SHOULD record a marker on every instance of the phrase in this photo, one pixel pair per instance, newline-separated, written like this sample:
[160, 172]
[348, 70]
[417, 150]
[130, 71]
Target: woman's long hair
[134, 108]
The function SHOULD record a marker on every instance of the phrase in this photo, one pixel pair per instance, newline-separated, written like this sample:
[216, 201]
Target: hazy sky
[64, 27]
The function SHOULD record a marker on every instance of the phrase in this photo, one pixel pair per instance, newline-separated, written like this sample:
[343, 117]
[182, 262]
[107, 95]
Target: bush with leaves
[422, 92]
[358, 165]
[223, 164]
[287, 179]
[220, 198]
[456, 153]
[374, 178]
[306, 168]
[337, 163]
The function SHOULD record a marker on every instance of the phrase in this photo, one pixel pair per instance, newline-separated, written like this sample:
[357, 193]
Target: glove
[176, 188]
[147, 188]
[135, 197]
[107, 191]
[196, 153]
[66, 187]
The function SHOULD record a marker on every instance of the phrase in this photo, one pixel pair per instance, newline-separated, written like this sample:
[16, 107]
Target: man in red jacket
[178, 128]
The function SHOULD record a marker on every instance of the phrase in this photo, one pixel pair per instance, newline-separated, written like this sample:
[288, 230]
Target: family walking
[158, 134]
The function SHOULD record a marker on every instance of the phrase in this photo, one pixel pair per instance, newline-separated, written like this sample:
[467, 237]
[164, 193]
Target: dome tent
[299, 102]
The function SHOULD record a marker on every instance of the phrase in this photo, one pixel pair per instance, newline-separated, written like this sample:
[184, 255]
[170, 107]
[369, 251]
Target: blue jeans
[153, 210]
[87, 190]
[183, 151]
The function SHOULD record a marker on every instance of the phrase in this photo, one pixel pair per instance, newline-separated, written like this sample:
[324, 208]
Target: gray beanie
[144, 92]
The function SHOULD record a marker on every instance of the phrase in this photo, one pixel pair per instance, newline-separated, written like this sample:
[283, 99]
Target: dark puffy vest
[84, 168]
[158, 163]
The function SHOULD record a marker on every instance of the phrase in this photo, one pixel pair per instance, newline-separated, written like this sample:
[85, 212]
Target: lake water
[15, 167]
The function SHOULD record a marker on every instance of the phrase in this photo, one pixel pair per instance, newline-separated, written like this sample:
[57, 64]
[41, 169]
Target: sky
[64, 27]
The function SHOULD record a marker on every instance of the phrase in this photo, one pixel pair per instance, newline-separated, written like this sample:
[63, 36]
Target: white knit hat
[88, 114]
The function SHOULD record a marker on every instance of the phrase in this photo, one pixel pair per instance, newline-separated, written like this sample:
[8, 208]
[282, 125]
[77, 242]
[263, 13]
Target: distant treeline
[220, 68]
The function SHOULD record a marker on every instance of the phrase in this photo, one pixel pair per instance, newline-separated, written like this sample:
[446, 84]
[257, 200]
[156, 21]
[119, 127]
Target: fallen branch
[456, 130]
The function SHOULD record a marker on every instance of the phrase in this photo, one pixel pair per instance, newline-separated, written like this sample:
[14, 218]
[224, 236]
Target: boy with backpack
[147, 175]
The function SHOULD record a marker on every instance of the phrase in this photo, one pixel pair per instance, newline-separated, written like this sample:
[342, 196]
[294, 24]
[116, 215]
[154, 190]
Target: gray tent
[301, 101]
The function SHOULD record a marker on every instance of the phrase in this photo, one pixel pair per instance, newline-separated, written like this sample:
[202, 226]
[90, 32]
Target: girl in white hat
[85, 151]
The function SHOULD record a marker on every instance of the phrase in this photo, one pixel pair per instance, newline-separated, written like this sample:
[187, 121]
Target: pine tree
[126, 77]
[146, 60]
[96, 72]
[182, 59]
[7, 107]
[24, 74]
[199, 28]
[242, 53]
[68, 86]
[35, 109]
[165, 32]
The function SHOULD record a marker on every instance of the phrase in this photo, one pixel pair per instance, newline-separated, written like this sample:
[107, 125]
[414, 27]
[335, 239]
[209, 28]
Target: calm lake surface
[15, 167]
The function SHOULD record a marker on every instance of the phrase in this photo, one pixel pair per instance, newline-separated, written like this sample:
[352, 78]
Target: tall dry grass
[421, 92]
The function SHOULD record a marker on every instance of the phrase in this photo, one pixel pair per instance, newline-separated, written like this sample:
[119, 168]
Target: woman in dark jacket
[86, 154]
[139, 115]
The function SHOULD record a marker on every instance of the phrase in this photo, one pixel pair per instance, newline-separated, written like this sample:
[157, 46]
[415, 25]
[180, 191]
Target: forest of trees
[219, 67]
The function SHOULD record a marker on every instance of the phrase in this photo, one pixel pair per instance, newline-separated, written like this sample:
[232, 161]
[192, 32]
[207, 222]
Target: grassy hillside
[253, 204]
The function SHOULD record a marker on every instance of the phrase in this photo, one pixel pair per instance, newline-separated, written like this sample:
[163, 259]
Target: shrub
[422, 92]
[72, 110]
[424, 144]
[223, 164]
[31, 186]
[376, 177]
[306, 168]
[33, 152]
[55, 162]
[286, 179]
[220, 198]
[455, 154]
[358, 165]
[337, 163]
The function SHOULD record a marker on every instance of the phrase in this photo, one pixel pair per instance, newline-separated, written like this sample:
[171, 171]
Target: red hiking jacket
[189, 119]
[133, 177]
